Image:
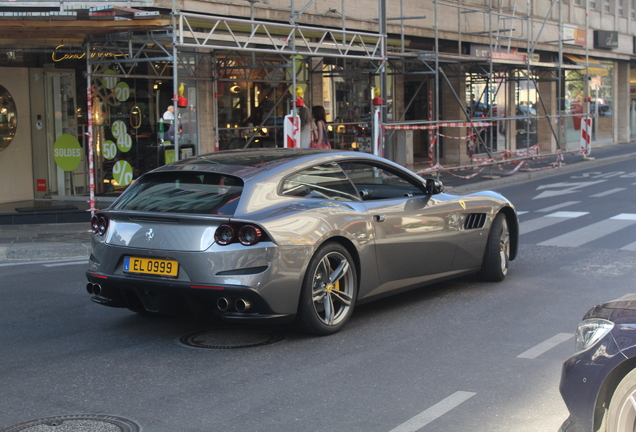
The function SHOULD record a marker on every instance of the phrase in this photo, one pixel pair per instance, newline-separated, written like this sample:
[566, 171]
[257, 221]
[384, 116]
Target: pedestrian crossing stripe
[582, 235]
[624, 216]
[566, 214]
[547, 220]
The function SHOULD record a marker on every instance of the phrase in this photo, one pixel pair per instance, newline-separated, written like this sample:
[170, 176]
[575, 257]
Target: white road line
[522, 212]
[630, 247]
[536, 351]
[607, 192]
[547, 220]
[624, 216]
[85, 262]
[566, 214]
[558, 206]
[591, 232]
[434, 412]
[43, 261]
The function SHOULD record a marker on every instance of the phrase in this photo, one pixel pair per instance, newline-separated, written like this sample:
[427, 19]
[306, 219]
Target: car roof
[249, 163]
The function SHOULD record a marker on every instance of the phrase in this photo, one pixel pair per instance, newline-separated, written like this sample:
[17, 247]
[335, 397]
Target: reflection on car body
[283, 234]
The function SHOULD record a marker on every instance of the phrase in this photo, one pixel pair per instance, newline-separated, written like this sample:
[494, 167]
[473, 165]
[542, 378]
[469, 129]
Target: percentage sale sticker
[122, 91]
[124, 143]
[122, 173]
[119, 129]
[109, 149]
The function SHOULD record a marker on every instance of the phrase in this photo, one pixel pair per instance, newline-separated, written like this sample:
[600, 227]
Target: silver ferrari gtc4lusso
[283, 234]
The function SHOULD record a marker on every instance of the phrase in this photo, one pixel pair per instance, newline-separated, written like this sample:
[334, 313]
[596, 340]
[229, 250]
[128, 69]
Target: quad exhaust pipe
[222, 303]
[94, 288]
[242, 305]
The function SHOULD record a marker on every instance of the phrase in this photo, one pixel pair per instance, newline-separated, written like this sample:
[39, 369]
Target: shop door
[632, 119]
[61, 119]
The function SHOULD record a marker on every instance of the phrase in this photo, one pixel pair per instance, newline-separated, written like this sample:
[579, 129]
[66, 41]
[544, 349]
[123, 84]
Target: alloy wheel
[332, 288]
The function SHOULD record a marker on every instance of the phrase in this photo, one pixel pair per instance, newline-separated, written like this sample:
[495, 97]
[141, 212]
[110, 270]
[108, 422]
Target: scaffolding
[441, 53]
[496, 56]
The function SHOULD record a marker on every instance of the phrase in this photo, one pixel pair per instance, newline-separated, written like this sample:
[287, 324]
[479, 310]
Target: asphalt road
[456, 356]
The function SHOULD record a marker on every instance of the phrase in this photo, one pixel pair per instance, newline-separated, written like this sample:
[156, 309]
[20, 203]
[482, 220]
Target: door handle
[379, 218]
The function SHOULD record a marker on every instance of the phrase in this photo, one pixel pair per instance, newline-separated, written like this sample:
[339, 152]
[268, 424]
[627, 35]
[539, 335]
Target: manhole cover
[76, 423]
[230, 338]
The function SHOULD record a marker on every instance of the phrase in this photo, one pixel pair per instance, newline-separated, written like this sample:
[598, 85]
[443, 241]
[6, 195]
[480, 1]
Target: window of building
[592, 4]
[8, 118]
[633, 10]
[607, 6]
[621, 9]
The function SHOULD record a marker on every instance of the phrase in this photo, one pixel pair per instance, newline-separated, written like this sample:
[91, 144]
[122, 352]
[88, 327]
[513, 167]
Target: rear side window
[324, 181]
[183, 192]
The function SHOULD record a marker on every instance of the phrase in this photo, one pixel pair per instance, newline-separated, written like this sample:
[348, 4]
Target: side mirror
[434, 187]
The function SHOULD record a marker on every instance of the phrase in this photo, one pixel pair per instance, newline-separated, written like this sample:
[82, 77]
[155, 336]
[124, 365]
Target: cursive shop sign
[59, 55]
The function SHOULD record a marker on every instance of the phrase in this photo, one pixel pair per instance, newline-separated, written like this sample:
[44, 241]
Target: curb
[50, 250]
[519, 177]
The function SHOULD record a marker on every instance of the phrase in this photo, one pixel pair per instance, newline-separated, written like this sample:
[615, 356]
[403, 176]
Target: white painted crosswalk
[607, 192]
[581, 235]
[558, 206]
[548, 220]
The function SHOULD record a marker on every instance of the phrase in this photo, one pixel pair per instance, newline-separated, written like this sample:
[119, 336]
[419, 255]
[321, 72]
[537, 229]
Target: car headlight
[591, 331]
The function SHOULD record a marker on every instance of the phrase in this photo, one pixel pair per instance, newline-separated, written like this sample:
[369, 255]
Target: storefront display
[8, 118]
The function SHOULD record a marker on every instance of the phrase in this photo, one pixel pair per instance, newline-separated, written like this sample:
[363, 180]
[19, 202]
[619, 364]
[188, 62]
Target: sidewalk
[61, 240]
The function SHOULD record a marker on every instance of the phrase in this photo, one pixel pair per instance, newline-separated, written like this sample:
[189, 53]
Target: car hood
[622, 310]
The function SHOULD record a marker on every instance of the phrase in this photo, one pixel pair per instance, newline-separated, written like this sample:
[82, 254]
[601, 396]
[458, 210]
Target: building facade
[94, 80]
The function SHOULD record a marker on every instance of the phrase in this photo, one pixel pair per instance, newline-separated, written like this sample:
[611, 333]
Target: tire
[329, 291]
[621, 414]
[497, 255]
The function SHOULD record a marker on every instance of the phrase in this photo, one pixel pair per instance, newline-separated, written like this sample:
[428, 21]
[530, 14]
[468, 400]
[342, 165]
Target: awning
[594, 67]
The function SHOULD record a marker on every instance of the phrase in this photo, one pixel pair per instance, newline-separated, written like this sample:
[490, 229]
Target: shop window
[8, 118]
[348, 91]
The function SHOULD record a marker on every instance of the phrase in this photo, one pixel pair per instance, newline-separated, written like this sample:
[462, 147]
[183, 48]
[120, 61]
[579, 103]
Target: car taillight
[99, 224]
[224, 235]
[247, 234]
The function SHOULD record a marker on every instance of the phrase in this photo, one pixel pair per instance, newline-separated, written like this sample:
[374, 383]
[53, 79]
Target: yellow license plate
[153, 266]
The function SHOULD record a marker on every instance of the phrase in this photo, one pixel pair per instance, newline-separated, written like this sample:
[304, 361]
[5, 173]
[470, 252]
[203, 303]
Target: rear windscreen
[183, 192]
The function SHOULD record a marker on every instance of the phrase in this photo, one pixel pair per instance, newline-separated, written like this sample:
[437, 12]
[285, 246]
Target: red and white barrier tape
[437, 126]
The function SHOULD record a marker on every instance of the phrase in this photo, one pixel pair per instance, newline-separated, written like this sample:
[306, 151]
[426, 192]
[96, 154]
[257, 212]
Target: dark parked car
[603, 110]
[278, 234]
[598, 383]
[527, 124]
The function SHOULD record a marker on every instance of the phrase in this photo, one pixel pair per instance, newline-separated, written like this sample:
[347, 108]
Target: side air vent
[475, 220]
[153, 219]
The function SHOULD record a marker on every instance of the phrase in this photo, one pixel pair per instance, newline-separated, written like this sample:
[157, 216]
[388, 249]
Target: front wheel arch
[496, 258]
[607, 390]
[513, 226]
[616, 419]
